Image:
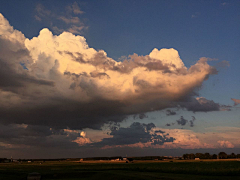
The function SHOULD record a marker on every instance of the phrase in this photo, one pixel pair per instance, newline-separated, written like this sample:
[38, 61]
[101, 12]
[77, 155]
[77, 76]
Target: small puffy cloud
[182, 121]
[82, 140]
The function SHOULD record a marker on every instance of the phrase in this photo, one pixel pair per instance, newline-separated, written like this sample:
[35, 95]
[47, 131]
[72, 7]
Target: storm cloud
[60, 82]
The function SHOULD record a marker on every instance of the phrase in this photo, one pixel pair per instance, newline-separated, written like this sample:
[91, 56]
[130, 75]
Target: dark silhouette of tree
[214, 156]
[199, 155]
[232, 156]
[207, 156]
[222, 155]
[185, 156]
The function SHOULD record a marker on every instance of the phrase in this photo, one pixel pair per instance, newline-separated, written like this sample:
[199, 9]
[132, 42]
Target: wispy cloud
[70, 17]
[224, 3]
[196, 15]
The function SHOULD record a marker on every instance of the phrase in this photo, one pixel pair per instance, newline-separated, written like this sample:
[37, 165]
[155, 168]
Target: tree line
[221, 155]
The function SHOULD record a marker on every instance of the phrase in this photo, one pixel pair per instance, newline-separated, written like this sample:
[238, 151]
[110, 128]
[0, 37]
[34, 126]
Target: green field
[113, 170]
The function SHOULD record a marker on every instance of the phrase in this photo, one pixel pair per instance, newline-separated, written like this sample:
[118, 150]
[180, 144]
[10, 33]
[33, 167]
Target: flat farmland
[120, 170]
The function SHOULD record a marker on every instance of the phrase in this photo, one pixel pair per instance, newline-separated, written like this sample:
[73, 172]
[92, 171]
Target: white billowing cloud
[66, 69]
[7, 32]
[53, 47]
[75, 57]
[167, 56]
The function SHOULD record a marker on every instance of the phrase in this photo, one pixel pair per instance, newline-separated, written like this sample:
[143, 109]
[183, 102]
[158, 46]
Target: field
[120, 170]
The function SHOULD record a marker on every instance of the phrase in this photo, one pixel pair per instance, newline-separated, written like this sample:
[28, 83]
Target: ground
[180, 170]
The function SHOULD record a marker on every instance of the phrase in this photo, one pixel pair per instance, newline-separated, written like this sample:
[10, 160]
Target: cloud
[202, 104]
[196, 15]
[225, 144]
[75, 8]
[42, 12]
[236, 101]
[29, 136]
[182, 121]
[224, 4]
[73, 20]
[140, 116]
[136, 133]
[170, 112]
[170, 139]
[69, 17]
[65, 83]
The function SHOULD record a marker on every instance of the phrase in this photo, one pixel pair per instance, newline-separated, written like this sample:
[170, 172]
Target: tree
[222, 155]
[214, 156]
[199, 155]
[207, 156]
[185, 156]
[232, 156]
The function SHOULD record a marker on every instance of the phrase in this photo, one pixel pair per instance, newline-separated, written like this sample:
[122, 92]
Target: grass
[112, 170]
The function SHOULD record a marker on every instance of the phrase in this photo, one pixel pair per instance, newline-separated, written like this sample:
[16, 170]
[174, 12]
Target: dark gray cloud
[30, 136]
[182, 121]
[136, 133]
[201, 104]
[170, 112]
[12, 73]
[140, 116]
[64, 113]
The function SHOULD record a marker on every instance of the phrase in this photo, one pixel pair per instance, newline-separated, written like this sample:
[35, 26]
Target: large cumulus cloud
[59, 81]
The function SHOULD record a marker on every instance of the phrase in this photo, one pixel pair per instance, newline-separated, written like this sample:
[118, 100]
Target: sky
[119, 78]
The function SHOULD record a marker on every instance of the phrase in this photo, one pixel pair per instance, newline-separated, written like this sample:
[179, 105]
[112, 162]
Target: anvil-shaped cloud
[60, 82]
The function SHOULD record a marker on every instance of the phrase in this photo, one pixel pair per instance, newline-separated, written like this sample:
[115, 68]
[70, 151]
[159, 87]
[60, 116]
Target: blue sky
[195, 29]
